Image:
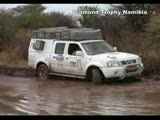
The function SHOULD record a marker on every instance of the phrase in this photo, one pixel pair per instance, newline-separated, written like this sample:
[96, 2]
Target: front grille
[131, 68]
[127, 62]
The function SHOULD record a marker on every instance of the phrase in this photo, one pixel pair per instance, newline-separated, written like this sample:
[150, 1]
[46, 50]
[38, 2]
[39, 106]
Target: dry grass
[11, 57]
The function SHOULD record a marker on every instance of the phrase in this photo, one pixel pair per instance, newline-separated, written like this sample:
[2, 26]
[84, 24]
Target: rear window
[38, 45]
[59, 48]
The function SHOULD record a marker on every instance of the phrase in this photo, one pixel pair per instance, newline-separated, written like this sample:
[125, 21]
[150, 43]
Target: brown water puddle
[57, 96]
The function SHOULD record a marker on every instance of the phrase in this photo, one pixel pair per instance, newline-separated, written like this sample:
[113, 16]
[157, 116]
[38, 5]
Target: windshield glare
[99, 47]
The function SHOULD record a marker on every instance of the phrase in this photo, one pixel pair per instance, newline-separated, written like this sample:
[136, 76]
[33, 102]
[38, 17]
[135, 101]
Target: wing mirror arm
[79, 53]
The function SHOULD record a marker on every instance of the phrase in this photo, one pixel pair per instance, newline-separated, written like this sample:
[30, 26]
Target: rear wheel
[42, 72]
[95, 75]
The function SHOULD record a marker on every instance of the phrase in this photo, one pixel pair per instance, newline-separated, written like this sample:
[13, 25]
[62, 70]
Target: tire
[95, 75]
[42, 72]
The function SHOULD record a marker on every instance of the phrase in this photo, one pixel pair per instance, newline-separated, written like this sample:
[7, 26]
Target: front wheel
[95, 75]
[42, 72]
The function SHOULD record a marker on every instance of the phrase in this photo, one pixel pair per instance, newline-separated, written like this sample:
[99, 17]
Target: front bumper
[121, 72]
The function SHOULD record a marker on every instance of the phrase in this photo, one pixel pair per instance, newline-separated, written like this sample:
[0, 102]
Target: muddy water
[57, 96]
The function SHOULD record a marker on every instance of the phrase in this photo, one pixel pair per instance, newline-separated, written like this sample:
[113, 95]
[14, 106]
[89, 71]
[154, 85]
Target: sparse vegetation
[131, 33]
[16, 26]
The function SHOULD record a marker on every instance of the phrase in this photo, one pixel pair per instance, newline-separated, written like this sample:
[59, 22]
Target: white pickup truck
[94, 60]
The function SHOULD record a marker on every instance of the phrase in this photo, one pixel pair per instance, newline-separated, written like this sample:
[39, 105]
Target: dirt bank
[17, 71]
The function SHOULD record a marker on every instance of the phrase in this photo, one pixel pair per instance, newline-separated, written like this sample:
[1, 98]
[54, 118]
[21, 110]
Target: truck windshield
[99, 47]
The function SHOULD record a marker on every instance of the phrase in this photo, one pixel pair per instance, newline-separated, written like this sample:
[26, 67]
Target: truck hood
[116, 56]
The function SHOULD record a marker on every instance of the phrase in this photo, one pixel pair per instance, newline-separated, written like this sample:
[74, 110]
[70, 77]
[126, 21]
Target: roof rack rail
[65, 33]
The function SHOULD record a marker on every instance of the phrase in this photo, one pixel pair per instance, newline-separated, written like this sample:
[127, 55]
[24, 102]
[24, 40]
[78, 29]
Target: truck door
[73, 63]
[57, 58]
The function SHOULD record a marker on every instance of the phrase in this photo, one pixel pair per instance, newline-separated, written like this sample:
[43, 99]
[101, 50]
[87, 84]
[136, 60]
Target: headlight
[114, 64]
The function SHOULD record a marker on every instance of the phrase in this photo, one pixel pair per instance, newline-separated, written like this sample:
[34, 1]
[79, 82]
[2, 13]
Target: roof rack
[65, 33]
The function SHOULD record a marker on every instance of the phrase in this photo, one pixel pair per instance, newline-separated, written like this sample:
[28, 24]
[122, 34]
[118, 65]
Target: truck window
[73, 48]
[59, 48]
[38, 45]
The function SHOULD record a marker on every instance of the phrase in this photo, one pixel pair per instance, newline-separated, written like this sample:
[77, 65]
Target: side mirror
[115, 48]
[79, 53]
